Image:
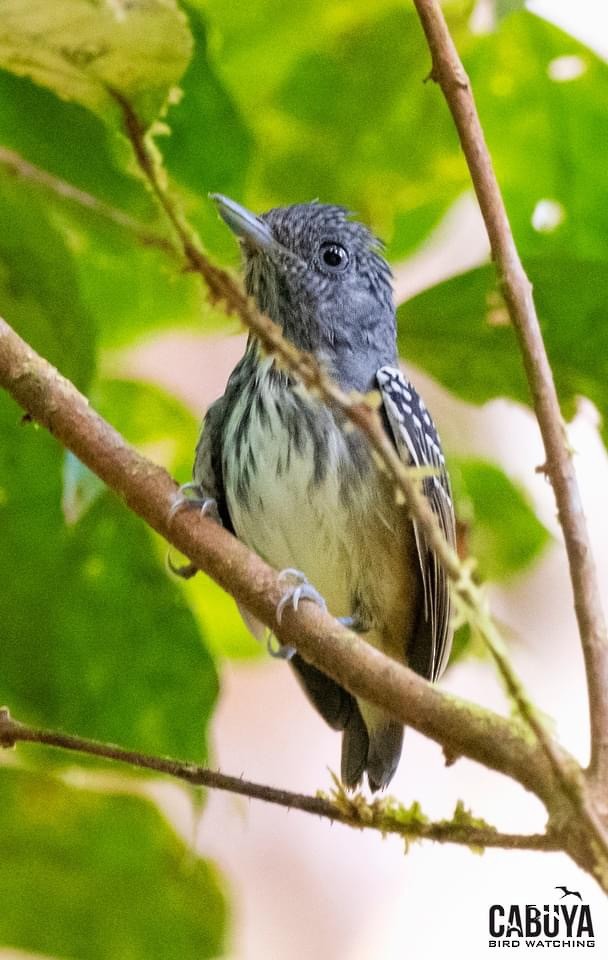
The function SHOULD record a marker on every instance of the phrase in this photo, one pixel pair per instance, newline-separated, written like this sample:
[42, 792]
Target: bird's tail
[371, 743]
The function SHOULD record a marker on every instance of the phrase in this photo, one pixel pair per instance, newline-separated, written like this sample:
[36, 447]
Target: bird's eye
[334, 256]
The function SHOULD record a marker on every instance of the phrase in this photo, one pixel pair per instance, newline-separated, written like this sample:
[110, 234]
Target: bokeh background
[278, 104]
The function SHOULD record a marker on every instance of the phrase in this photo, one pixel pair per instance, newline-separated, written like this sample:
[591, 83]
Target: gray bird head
[320, 276]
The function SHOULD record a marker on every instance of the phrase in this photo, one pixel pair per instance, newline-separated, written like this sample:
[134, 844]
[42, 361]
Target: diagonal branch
[449, 73]
[382, 815]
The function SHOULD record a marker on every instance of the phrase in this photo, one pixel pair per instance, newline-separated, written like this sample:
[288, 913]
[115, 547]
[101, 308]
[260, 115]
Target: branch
[18, 166]
[449, 73]
[463, 729]
[384, 815]
[360, 412]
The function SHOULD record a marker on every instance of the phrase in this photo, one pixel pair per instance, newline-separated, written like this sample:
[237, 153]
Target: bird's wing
[207, 472]
[208, 475]
[418, 443]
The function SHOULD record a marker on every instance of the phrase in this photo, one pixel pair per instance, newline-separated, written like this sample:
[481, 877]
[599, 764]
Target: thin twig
[359, 411]
[18, 166]
[220, 286]
[448, 71]
[353, 811]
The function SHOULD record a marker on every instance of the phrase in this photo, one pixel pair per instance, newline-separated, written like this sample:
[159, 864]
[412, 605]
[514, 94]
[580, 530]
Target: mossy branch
[386, 816]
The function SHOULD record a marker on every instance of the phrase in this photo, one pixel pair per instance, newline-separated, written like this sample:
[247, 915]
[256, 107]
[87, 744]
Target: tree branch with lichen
[384, 815]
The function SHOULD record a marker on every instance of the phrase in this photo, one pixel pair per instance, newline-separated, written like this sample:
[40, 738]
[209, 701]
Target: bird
[569, 893]
[286, 475]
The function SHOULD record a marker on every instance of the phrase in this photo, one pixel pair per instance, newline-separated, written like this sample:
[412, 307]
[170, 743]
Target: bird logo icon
[569, 893]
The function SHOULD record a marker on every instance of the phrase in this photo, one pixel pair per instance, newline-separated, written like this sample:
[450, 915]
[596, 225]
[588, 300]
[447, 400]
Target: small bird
[569, 893]
[285, 474]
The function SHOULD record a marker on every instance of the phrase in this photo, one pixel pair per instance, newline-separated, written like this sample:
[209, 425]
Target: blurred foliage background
[270, 103]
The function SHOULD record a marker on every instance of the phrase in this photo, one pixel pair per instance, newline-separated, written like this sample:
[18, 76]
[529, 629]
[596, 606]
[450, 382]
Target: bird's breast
[304, 493]
[285, 474]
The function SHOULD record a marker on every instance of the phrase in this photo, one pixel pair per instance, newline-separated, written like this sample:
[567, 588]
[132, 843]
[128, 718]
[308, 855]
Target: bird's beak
[244, 224]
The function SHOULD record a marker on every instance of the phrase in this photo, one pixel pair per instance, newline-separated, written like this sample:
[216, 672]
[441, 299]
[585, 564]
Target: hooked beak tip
[243, 223]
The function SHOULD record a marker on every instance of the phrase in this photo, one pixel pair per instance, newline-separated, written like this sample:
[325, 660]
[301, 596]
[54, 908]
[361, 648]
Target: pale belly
[293, 523]
[356, 551]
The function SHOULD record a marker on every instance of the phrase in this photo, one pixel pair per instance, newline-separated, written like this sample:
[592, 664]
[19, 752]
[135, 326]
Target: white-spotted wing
[418, 443]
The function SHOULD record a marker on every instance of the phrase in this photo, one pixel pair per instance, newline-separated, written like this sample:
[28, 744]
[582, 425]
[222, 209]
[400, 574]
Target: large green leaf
[547, 131]
[338, 116]
[39, 291]
[98, 877]
[132, 290]
[95, 636]
[209, 146]
[459, 331]
[97, 160]
[150, 418]
[503, 532]
[340, 111]
[129, 288]
[83, 50]
[166, 430]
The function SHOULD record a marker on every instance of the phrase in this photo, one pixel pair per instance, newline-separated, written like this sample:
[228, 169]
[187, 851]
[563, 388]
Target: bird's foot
[184, 570]
[191, 495]
[299, 589]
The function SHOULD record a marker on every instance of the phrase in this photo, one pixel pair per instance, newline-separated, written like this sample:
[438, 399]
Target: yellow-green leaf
[85, 49]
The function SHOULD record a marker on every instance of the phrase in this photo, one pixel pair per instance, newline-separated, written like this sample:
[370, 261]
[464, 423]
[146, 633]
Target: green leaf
[459, 331]
[39, 290]
[163, 428]
[337, 118]
[547, 132]
[504, 533]
[220, 620]
[98, 159]
[209, 146]
[132, 290]
[152, 419]
[99, 876]
[128, 288]
[83, 50]
[95, 636]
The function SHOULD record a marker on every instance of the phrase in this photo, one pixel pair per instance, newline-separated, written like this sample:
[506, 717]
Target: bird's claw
[279, 651]
[300, 589]
[184, 570]
[207, 505]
